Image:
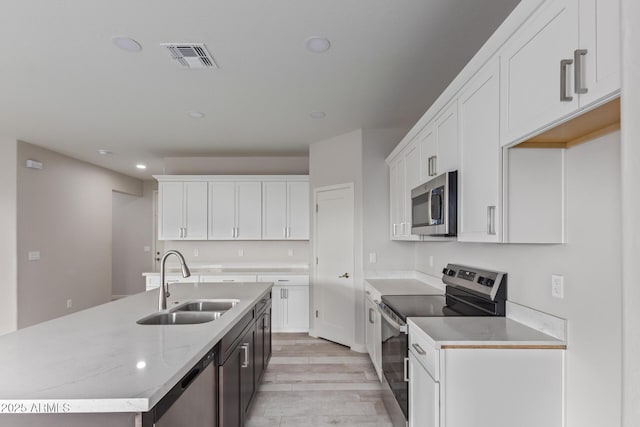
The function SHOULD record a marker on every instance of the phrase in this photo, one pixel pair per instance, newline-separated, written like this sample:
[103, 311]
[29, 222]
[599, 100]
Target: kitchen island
[99, 367]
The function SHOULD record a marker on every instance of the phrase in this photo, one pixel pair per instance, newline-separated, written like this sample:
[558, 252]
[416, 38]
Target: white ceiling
[65, 86]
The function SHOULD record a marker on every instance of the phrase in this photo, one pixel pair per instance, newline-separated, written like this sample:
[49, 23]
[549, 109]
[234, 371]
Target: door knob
[344, 276]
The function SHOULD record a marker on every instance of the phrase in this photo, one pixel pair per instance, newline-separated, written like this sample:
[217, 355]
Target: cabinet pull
[419, 349]
[286, 293]
[370, 313]
[284, 232]
[245, 349]
[395, 229]
[578, 54]
[491, 220]
[184, 235]
[435, 165]
[283, 280]
[288, 231]
[564, 64]
[406, 369]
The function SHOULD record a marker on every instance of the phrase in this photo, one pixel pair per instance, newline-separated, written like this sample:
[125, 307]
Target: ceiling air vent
[190, 55]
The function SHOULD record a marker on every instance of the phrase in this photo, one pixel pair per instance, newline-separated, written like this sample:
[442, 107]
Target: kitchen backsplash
[242, 251]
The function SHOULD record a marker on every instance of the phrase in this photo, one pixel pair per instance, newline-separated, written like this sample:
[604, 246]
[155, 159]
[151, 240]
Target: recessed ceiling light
[318, 114]
[318, 44]
[196, 114]
[103, 152]
[141, 364]
[141, 166]
[126, 43]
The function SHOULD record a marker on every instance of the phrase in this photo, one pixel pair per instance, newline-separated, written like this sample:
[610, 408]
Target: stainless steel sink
[180, 318]
[206, 305]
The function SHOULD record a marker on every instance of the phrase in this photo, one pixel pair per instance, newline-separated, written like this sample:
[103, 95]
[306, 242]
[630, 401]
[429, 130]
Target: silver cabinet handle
[491, 220]
[281, 294]
[419, 349]
[284, 232]
[578, 54]
[435, 165]
[286, 293]
[185, 233]
[395, 229]
[406, 369]
[245, 349]
[430, 166]
[237, 231]
[283, 280]
[564, 64]
[288, 231]
[370, 313]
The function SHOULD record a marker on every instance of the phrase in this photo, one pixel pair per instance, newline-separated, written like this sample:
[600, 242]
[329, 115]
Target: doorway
[333, 284]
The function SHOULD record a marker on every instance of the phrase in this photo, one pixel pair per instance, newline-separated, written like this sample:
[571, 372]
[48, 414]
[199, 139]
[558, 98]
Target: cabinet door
[247, 374]
[377, 342]
[447, 131]
[369, 326]
[222, 210]
[600, 36]
[298, 210]
[258, 356]
[411, 180]
[479, 175]
[278, 308]
[424, 396]
[296, 315]
[395, 201]
[249, 211]
[230, 414]
[196, 210]
[530, 69]
[428, 141]
[274, 210]
[170, 210]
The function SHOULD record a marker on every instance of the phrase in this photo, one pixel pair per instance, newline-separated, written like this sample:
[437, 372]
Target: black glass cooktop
[416, 305]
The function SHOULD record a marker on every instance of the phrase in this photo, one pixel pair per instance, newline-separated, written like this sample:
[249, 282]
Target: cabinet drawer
[225, 278]
[425, 353]
[285, 280]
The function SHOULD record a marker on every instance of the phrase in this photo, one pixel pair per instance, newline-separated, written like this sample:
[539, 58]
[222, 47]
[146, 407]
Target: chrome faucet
[164, 286]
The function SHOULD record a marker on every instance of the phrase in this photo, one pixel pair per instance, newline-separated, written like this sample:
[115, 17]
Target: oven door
[394, 360]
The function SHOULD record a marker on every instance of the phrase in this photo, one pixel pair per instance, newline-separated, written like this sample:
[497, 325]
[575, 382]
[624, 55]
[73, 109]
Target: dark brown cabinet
[263, 341]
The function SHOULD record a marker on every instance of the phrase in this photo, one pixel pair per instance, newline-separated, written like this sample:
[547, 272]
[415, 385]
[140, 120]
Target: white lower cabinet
[225, 278]
[153, 282]
[460, 387]
[424, 396]
[290, 303]
[373, 335]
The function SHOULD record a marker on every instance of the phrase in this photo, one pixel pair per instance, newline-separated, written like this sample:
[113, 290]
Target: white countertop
[87, 361]
[399, 286]
[478, 332]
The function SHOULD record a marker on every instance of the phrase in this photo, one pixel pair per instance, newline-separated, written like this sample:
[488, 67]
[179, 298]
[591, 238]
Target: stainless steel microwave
[434, 206]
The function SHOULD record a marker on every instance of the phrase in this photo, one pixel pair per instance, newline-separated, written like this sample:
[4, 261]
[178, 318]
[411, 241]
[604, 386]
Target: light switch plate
[240, 252]
[373, 258]
[290, 252]
[196, 252]
[34, 255]
[147, 249]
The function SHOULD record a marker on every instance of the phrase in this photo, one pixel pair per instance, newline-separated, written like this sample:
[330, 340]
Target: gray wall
[590, 264]
[294, 165]
[64, 211]
[132, 231]
[631, 211]
[8, 242]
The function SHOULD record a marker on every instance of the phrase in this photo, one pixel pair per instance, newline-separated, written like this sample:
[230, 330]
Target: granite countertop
[101, 360]
[403, 287]
[480, 332]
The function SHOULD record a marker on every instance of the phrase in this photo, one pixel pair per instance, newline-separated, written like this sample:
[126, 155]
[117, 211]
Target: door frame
[314, 252]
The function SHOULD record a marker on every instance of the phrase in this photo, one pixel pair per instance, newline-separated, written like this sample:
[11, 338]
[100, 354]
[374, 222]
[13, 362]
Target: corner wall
[8, 242]
[590, 264]
[64, 212]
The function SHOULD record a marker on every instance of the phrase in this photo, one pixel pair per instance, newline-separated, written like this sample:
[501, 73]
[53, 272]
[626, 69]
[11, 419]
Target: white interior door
[333, 285]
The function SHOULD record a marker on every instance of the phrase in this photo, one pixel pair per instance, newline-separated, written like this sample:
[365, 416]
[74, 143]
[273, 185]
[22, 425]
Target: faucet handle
[167, 294]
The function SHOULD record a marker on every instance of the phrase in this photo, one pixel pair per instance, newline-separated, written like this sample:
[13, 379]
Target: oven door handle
[395, 325]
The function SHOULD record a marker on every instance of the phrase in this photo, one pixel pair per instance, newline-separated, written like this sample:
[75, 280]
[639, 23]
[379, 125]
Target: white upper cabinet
[479, 182]
[182, 211]
[235, 210]
[566, 58]
[428, 140]
[448, 142]
[600, 39]
[404, 175]
[285, 210]
[537, 70]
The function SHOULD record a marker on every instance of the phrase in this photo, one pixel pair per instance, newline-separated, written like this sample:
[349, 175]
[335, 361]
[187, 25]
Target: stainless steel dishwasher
[192, 402]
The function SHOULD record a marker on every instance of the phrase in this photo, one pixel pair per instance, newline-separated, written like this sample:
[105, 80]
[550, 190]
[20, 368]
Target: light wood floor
[312, 383]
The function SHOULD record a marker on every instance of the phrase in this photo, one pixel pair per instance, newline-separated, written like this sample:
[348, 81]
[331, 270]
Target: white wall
[590, 264]
[132, 231]
[631, 211]
[337, 161]
[8, 242]
[64, 211]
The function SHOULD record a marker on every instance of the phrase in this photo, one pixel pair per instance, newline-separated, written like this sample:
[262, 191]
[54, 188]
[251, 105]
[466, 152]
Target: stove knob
[489, 282]
[481, 280]
[445, 271]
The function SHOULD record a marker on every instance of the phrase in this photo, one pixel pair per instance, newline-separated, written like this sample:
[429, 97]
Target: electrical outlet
[147, 249]
[373, 258]
[34, 255]
[240, 252]
[196, 252]
[557, 286]
[69, 303]
[290, 252]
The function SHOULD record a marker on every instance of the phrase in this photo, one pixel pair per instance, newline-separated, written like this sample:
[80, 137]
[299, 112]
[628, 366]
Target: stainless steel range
[469, 292]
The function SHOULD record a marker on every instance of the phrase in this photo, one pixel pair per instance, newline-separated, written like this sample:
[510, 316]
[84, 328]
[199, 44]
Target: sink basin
[206, 306]
[180, 318]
